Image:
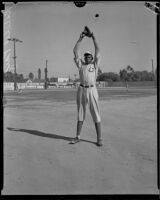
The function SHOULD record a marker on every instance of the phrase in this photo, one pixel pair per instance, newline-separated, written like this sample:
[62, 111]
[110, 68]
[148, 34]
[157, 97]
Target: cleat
[99, 143]
[75, 140]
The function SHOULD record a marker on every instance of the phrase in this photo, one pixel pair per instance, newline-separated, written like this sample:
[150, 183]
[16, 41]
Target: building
[62, 79]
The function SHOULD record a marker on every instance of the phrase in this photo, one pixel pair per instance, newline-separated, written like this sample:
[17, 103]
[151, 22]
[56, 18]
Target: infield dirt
[38, 158]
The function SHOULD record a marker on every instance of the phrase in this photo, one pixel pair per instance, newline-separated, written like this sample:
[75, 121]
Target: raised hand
[82, 35]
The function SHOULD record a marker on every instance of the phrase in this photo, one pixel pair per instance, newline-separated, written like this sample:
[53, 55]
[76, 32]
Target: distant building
[62, 79]
[29, 81]
[38, 84]
[34, 84]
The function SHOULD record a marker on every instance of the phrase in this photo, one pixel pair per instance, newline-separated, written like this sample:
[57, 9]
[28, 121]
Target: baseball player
[87, 91]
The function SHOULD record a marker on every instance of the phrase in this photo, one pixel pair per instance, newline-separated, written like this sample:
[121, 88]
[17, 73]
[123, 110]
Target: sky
[125, 31]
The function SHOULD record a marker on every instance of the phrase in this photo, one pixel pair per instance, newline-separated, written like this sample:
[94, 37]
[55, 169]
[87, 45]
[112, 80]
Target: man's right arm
[76, 51]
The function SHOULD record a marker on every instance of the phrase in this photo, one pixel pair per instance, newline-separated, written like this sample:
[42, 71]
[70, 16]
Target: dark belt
[86, 86]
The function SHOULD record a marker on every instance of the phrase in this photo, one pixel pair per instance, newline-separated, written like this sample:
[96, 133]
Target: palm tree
[130, 72]
[129, 69]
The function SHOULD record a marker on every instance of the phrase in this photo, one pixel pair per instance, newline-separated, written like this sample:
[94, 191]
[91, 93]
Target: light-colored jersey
[87, 73]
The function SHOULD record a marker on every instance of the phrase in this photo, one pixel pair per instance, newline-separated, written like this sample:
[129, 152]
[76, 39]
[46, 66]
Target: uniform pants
[88, 96]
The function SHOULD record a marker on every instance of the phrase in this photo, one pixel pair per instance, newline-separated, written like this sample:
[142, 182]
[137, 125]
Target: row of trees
[9, 76]
[127, 74]
[31, 75]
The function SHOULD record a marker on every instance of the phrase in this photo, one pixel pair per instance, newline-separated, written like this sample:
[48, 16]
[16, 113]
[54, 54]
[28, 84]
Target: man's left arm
[97, 51]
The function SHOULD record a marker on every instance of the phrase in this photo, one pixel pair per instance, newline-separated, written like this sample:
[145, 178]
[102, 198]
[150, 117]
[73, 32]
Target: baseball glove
[87, 31]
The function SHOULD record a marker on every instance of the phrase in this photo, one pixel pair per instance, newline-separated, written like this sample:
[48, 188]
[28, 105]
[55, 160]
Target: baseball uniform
[87, 91]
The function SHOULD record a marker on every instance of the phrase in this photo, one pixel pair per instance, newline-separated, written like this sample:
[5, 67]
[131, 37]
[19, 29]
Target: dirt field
[38, 159]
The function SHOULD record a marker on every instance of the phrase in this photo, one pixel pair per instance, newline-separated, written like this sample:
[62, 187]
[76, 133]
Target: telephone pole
[46, 81]
[153, 69]
[14, 40]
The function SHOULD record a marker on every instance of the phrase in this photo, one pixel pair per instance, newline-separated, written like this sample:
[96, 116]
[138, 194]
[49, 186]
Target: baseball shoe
[99, 143]
[75, 140]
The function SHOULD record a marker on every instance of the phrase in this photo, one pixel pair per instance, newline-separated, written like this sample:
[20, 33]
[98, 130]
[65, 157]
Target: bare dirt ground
[38, 158]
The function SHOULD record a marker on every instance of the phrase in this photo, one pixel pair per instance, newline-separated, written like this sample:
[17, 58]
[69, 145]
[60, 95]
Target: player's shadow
[47, 135]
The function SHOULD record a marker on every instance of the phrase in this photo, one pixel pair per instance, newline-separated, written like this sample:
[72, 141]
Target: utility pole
[46, 81]
[14, 40]
[153, 69]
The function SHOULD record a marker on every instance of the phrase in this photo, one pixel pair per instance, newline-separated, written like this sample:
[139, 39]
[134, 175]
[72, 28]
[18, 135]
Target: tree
[39, 74]
[20, 78]
[110, 76]
[102, 77]
[31, 76]
[127, 74]
[141, 76]
[130, 73]
[123, 75]
[137, 76]
[144, 75]
[8, 77]
[129, 69]
[53, 79]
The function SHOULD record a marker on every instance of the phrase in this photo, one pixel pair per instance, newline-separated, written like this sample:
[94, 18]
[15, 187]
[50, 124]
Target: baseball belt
[86, 86]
